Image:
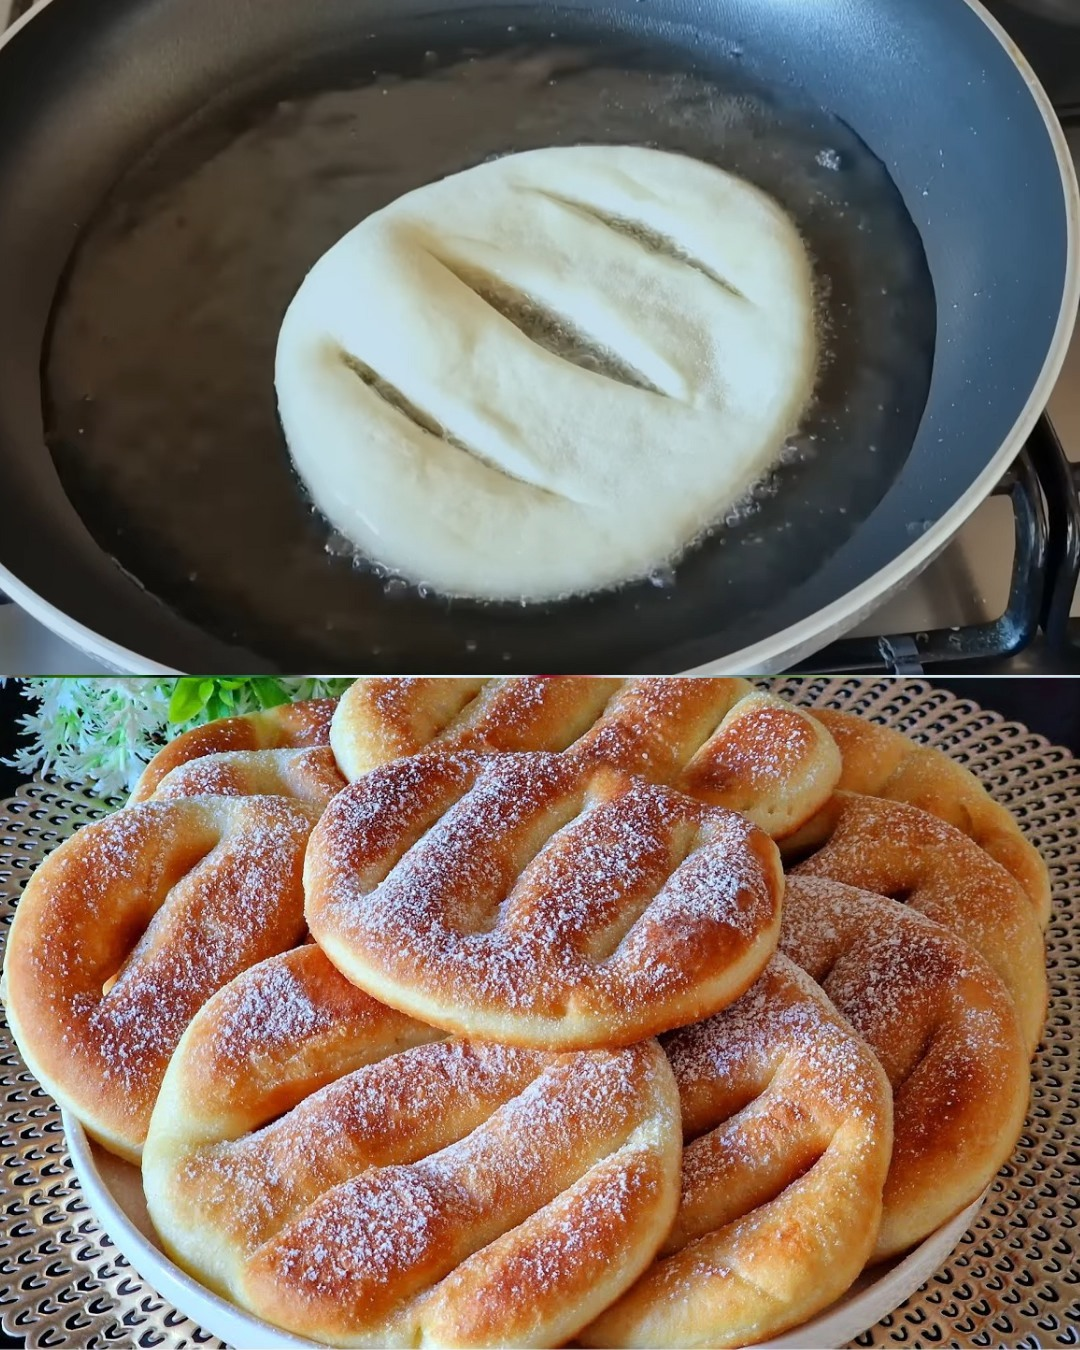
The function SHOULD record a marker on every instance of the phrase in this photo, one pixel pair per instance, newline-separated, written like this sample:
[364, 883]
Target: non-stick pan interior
[261, 143]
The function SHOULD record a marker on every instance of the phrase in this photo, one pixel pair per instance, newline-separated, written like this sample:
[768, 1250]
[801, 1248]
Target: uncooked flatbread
[546, 375]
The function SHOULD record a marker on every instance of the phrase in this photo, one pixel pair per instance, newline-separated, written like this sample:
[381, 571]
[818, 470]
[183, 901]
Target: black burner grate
[1045, 493]
[1036, 634]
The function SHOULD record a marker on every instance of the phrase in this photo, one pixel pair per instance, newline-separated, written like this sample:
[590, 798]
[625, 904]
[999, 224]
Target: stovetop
[1003, 597]
[1010, 574]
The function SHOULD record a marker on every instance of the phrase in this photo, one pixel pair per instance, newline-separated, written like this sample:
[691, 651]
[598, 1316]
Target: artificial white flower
[102, 732]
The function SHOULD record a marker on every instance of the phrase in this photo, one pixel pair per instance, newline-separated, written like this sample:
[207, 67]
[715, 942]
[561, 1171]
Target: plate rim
[831, 1329]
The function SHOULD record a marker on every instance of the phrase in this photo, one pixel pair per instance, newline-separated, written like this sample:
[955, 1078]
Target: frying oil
[160, 404]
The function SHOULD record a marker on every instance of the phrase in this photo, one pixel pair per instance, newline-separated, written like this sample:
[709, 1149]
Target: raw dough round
[546, 375]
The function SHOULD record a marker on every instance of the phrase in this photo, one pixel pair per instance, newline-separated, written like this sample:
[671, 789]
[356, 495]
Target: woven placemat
[1014, 1280]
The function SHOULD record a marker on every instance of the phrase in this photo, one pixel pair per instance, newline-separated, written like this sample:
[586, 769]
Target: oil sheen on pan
[159, 392]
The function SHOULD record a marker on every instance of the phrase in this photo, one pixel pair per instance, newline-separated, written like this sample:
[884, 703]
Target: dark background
[1050, 706]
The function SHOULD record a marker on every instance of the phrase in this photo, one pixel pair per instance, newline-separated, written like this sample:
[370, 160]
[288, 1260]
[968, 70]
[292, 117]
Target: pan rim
[804, 637]
[815, 630]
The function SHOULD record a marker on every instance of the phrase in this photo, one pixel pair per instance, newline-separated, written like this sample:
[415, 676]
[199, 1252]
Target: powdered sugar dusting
[272, 1012]
[307, 774]
[470, 857]
[768, 1088]
[783, 1018]
[655, 724]
[566, 1247]
[934, 867]
[392, 700]
[369, 827]
[239, 900]
[528, 713]
[376, 1187]
[541, 885]
[503, 715]
[901, 979]
[360, 1237]
[114, 850]
[762, 746]
[388, 1113]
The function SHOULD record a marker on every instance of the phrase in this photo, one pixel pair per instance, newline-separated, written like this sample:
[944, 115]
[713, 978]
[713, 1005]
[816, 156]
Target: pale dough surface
[435, 426]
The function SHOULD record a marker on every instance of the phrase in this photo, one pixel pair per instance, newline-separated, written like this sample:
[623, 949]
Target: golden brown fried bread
[535, 900]
[909, 855]
[308, 775]
[773, 762]
[880, 762]
[125, 931]
[945, 1030]
[714, 739]
[719, 741]
[292, 726]
[382, 718]
[312, 1158]
[788, 1120]
[711, 737]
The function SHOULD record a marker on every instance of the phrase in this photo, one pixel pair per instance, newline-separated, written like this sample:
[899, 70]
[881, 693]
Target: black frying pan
[170, 168]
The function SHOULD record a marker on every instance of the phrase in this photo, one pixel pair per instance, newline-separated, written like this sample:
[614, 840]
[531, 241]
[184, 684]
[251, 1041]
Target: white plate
[113, 1190]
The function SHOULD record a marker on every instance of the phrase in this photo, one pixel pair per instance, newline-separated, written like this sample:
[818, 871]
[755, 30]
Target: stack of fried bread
[541, 1010]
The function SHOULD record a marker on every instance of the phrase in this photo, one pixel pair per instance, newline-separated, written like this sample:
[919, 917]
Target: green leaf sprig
[101, 732]
[203, 698]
